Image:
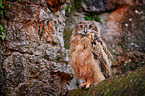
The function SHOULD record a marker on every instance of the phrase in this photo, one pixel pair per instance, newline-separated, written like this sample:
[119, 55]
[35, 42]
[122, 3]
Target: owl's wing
[101, 54]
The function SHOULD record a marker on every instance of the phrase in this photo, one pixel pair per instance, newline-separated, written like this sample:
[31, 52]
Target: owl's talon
[83, 85]
[87, 84]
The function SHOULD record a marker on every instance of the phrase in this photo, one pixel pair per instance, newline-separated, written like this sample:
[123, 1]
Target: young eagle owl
[89, 56]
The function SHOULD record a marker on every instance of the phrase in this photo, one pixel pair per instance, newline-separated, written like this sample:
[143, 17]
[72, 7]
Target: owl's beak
[85, 30]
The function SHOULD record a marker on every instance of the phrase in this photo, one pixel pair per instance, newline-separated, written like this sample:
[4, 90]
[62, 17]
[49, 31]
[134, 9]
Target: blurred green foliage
[2, 7]
[68, 6]
[92, 17]
[2, 33]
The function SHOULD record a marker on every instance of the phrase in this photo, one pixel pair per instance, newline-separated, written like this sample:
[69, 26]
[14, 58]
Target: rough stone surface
[92, 5]
[2, 75]
[36, 62]
[112, 4]
[125, 37]
[34, 75]
[104, 5]
[55, 4]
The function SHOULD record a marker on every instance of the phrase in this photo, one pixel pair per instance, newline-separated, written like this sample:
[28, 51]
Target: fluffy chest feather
[80, 43]
[80, 50]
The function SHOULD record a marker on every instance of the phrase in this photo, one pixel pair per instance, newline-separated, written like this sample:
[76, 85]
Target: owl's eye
[90, 26]
[80, 26]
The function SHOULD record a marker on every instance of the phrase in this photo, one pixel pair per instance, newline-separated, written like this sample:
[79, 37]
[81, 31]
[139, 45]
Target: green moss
[2, 33]
[68, 6]
[2, 8]
[92, 17]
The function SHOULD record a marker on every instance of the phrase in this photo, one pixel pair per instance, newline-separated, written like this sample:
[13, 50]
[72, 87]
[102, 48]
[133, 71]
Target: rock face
[34, 61]
[125, 37]
[92, 5]
[118, 3]
[34, 75]
[98, 6]
[2, 75]
[55, 4]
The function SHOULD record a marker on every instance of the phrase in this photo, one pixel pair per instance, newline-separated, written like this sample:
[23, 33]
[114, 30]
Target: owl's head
[84, 28]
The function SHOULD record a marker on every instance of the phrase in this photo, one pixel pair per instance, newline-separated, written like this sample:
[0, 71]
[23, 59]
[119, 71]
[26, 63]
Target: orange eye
[90, 26]
[80, 26]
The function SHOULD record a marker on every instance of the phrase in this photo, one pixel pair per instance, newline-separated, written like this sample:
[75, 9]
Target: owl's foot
[87, 84]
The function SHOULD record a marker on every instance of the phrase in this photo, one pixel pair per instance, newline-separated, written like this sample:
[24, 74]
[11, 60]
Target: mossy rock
[128, 84]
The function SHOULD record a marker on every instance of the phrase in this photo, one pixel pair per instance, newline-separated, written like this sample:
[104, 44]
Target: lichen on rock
[36, 63]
